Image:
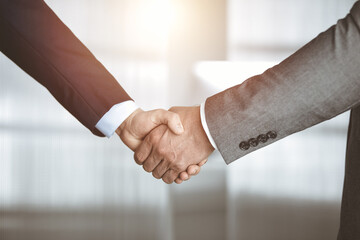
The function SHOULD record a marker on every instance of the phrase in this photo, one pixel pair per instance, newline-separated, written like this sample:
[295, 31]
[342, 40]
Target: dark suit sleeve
[34, 38]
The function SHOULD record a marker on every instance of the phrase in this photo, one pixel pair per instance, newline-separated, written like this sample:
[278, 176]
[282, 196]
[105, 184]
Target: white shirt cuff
[205, 126]
[115, 116]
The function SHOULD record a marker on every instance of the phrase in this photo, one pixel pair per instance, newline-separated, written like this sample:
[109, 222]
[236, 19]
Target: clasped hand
[170, 144]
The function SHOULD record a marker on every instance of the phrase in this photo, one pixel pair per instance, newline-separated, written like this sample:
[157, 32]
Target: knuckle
[167, 181]
[138, 158]
[179, 166]
[159, 111]
[174, 176]
[157, 172]
[161, 150]
[146, 168]
[172, 156]
[156, 175]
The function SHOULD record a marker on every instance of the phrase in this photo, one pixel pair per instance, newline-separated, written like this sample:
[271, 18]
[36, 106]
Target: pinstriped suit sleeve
[318, 82]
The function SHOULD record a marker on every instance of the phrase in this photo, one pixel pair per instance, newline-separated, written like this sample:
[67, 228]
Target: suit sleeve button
[262, 138]
[253, 142]
[272, 134]
[244, 146]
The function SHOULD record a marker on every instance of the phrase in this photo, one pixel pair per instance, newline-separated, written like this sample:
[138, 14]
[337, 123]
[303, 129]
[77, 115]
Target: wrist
[191, 119]
[201, 129]
[205, 126]
[127, 122]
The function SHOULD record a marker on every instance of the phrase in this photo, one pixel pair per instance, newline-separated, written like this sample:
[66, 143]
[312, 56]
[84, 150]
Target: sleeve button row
[254, 142]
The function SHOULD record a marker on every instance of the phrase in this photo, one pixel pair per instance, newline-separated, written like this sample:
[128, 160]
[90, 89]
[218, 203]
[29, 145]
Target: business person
[34, 38]
[318, 82]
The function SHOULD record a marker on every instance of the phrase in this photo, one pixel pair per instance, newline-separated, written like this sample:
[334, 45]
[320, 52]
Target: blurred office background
[60, 182]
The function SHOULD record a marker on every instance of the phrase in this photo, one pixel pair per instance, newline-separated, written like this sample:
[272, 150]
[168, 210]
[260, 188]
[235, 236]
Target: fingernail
[194, 171]
[180, 127]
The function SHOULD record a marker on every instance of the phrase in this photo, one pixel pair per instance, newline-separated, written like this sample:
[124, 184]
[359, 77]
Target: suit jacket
[318, 82]
[34, 38]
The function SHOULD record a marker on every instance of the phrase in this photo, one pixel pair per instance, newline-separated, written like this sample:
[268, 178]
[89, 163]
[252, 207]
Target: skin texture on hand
[140, 123]
[192, 170]
[166, 154]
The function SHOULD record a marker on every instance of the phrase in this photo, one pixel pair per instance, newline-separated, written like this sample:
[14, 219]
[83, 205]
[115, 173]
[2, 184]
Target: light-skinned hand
[140, 123]
[172, 157]
[135, 128]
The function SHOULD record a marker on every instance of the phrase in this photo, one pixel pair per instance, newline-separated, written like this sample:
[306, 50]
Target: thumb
[171, 119]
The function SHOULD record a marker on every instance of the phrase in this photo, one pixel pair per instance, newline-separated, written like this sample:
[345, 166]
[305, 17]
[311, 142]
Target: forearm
[316, 83]
[37, 41]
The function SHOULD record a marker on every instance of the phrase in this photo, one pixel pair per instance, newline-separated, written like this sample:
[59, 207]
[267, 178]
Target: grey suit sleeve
[318, 82]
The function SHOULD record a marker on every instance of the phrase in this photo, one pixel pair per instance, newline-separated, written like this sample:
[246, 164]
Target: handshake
[172, 145]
